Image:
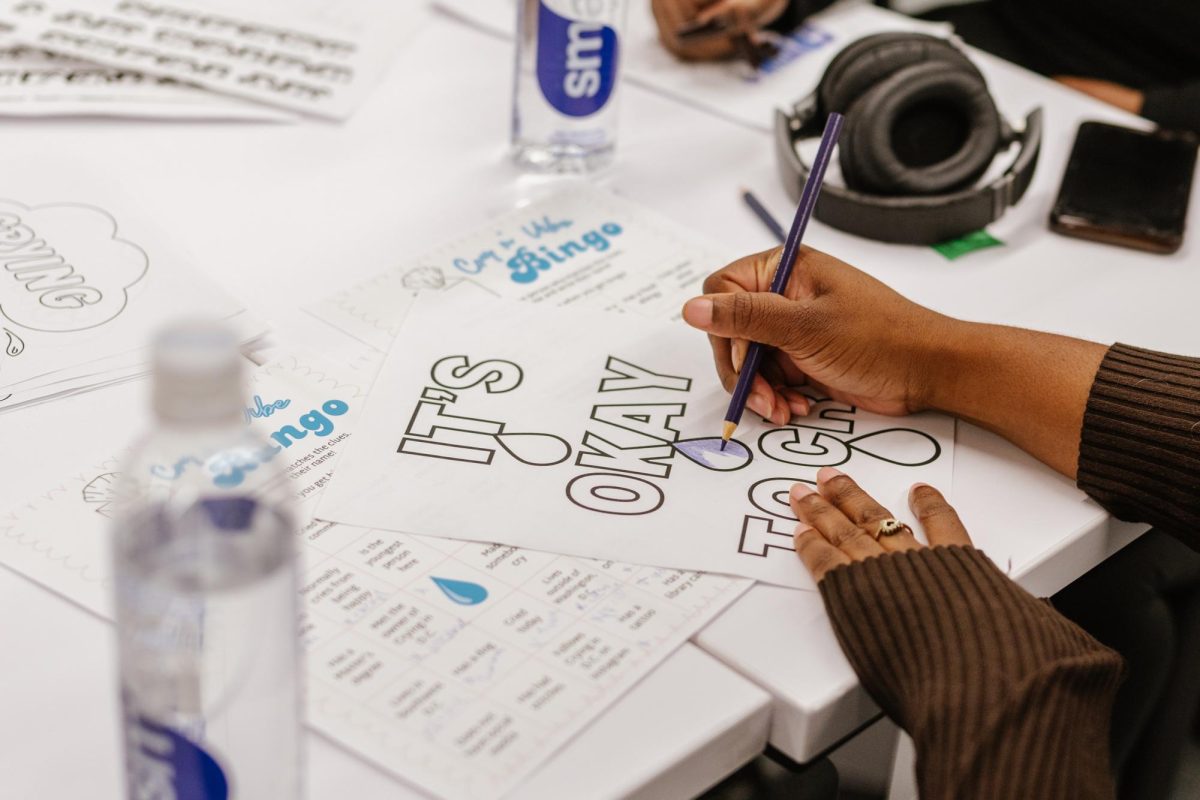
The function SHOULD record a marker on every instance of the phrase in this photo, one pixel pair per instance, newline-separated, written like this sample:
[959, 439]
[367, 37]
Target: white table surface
[283, 215]
[59, 732]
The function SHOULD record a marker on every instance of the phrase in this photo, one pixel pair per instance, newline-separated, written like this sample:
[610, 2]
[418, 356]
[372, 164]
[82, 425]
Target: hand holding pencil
[835, 330]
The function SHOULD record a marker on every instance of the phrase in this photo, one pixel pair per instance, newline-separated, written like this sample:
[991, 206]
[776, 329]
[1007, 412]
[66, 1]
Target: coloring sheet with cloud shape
[581, 432]
[85, 281]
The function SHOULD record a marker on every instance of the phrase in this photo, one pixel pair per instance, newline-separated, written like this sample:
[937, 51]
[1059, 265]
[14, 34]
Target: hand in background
[1112, 93]
[741, 17]
[836, 328]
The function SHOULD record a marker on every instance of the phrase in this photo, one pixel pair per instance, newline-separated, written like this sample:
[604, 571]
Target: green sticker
[978, 240]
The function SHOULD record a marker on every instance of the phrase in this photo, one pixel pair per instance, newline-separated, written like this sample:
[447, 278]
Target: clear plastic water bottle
[203, 545]
[565, 84]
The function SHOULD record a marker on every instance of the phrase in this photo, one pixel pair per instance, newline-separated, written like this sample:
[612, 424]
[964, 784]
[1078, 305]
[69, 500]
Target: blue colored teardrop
[464, 593]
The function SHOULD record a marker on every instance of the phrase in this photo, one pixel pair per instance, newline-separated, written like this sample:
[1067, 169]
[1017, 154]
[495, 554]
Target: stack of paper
[437, 645]
[460, 667]
[219, 59]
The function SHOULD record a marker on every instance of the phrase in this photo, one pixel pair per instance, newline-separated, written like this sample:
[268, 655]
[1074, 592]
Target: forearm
[1029, 387]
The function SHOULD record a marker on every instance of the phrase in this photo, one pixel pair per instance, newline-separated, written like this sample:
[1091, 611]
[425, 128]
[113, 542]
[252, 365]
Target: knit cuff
[1139, 450]
[1003, 696]
[911, 620]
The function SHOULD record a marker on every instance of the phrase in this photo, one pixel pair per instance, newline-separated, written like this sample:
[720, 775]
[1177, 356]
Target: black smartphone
[1126, 187]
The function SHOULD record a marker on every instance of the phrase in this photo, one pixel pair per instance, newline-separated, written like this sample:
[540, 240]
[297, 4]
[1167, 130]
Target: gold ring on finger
[890, 527]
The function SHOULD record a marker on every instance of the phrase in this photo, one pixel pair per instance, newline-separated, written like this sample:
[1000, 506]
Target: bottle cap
[197, 374]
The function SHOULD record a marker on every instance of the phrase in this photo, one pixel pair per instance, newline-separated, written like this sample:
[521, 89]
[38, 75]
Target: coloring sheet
[84, 284]
[36, 82]
[460, 668]
[581, 245]
[317, 57]
[582, 432]
[728, 89]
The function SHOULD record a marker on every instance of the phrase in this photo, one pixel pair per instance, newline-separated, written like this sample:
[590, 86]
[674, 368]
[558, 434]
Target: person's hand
[835, 329]
[1114, 94]
[839, 522]
[739, 18]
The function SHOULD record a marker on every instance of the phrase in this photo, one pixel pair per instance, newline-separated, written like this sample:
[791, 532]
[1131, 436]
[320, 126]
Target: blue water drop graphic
[707, 453]
[464, 593]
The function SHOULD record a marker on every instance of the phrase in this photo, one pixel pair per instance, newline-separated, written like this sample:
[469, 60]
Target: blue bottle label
[576, 62]
[165, 765]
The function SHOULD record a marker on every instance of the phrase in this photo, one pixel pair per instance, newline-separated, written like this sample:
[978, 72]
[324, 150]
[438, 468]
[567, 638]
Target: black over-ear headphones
[921, 129]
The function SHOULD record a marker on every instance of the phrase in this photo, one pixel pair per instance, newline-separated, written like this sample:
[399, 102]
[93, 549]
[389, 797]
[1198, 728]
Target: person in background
[1003, 696]
[1141, 57]
[706, 30]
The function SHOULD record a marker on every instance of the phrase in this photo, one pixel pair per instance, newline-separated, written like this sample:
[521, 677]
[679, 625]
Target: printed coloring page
[583, 432]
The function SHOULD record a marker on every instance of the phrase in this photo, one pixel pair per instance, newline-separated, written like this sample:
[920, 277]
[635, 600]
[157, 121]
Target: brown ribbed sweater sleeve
[1139, 450]
[1003, 696]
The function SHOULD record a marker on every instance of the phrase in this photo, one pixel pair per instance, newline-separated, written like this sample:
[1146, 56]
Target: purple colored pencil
[783, 272]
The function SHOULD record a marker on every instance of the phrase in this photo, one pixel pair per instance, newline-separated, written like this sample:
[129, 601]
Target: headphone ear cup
[857, 167]
[867, 61]
[922, 130]
[847, 58]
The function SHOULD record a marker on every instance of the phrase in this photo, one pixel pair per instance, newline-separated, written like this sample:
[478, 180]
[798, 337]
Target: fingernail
[757, 404]
[912, 491]
[826, 474]
[698, 312]
[798, 408]
[800, 490]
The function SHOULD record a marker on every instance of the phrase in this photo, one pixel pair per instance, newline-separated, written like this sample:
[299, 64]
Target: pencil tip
[727, 433]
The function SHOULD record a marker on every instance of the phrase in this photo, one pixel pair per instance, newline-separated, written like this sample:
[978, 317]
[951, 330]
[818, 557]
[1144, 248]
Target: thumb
[763, 317]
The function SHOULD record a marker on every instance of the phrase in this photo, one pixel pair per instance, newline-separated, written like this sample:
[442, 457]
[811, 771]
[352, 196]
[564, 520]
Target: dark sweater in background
[1149, 45]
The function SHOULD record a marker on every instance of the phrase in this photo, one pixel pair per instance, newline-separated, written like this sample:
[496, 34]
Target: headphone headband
[904, 219]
